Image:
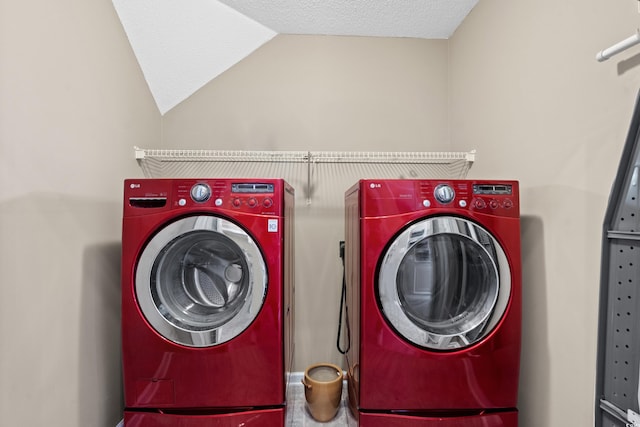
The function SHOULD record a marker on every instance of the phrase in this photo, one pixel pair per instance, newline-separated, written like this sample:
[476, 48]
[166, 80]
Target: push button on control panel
[492, 204]
[479, 204]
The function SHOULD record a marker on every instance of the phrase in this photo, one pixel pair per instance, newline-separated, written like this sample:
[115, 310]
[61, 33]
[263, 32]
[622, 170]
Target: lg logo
[133, 185]
[375, 185]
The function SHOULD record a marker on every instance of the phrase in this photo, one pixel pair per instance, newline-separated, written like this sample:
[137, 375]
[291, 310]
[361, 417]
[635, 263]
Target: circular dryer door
[444, 283]
[201, 281]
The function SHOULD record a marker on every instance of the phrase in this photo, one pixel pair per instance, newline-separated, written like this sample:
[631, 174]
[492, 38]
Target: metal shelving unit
[313, 172]
[618, 366]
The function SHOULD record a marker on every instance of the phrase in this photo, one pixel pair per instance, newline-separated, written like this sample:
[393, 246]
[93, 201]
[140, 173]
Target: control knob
[200, 192]
[444, 193]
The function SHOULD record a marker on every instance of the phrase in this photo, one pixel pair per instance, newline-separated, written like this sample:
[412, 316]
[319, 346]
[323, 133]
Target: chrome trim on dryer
[444, 283]
[201, 281]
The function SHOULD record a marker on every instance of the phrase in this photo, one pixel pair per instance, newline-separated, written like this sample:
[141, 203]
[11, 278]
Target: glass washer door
[444, 283]
[201, 281]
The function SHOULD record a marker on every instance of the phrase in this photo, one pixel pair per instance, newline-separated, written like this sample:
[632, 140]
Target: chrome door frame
[200, 337]
[390, 299]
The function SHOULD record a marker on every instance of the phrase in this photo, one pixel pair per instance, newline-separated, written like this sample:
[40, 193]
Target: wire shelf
[307, 170]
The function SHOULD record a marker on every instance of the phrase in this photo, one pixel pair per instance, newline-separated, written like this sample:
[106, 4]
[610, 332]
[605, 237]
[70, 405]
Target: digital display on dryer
[251, 188]
[493, 189]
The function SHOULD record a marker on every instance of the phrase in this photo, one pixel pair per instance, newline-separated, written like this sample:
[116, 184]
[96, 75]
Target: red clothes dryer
[207, 301]
[433, 276]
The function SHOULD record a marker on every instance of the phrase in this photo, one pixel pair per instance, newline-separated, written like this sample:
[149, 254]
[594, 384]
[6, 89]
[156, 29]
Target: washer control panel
[245, 196]
[259, 197]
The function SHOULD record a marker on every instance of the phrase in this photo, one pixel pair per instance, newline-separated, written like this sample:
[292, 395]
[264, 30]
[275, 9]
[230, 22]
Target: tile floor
[298, 415]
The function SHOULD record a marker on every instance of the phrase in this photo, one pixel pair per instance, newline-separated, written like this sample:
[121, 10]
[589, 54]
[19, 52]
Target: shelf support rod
[625, 44]
[308, 178]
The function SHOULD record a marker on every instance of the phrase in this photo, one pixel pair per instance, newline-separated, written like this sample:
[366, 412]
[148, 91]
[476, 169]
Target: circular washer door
[201, 281]
[444, 283]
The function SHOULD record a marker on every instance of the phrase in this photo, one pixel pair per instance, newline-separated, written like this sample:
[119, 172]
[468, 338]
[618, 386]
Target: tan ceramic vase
[323, 390]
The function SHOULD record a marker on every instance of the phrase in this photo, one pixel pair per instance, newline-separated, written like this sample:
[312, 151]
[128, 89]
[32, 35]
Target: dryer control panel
[493, 197]
[388, 197]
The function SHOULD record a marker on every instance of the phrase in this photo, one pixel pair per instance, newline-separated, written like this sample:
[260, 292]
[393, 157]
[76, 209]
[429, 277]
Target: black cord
[344, 309]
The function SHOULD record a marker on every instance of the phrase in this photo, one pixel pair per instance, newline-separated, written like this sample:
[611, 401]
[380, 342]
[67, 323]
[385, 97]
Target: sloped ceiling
[182, 45]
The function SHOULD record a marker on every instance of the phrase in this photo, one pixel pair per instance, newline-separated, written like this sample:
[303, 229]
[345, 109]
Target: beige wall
[528, 93]
[322, 93]
[73, 103]
[518, 82]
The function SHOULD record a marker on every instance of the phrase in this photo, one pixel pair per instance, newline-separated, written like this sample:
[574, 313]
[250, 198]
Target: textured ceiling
[182, 45]
[427, 19]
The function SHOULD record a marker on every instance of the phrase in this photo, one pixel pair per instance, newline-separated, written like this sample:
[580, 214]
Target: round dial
[479, 204]
[200, 192]
[444, 193]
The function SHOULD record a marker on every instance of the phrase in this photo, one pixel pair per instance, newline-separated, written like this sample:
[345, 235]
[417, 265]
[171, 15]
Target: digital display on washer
[252, 188]
[491, 189]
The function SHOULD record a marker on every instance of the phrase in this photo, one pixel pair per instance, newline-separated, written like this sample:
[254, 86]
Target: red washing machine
[433, 275]
[207, 301]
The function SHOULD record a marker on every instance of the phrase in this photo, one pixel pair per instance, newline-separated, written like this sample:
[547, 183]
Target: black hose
[344, 309]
